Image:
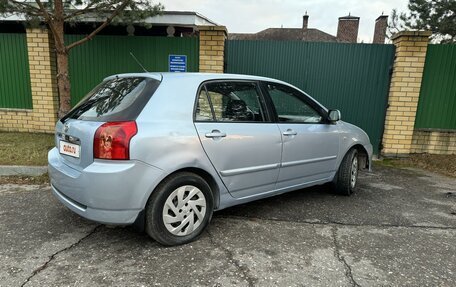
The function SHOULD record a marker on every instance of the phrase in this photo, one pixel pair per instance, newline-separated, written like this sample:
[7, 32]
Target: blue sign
[177, 63]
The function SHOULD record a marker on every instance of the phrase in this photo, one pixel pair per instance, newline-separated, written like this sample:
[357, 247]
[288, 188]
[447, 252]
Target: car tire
[179, 209]
[347, 175]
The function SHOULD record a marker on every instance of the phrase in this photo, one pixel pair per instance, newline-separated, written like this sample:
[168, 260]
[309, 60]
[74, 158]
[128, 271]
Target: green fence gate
[353, 78]
[15, 89]
[437, 104]
[91, 62]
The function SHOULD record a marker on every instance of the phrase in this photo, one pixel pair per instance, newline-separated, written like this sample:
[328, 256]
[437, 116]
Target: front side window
[290, 106]
[230, 102]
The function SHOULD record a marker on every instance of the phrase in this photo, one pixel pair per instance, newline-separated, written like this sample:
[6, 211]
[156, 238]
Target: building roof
[281, 34]
[178, 18]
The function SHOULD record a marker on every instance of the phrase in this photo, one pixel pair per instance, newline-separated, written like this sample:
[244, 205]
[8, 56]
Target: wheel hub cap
[184, 210]
[354, 172]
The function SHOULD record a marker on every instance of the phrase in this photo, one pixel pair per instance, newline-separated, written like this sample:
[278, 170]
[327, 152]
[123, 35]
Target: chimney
[305, 21]
[347, 30]
[380, 29]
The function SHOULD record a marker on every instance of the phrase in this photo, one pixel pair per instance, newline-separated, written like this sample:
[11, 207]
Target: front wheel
[347, 175]
[179, 209]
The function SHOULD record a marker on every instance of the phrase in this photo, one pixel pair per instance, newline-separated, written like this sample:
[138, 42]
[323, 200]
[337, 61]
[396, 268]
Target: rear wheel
[347, 175]
[179, 209]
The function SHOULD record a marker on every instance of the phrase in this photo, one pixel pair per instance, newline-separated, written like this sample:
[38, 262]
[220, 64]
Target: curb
[7, 170]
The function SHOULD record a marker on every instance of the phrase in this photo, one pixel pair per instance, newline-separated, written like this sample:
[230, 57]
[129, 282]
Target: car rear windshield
[117, 99]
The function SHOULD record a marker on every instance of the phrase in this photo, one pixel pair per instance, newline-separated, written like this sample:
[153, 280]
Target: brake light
[112, 140]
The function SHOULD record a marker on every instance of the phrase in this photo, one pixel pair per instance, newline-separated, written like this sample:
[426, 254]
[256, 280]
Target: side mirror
[334, 116]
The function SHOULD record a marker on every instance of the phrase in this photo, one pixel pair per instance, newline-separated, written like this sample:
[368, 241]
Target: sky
[250, 16]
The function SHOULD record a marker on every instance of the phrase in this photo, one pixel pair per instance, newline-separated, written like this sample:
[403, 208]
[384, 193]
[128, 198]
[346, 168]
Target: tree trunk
[63, 83]
[63, 80]
[56, 23]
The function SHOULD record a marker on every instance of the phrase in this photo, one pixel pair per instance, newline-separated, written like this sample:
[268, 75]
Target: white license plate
[69, 149]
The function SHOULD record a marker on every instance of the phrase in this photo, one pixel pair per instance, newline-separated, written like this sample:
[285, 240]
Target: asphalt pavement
[399, 229]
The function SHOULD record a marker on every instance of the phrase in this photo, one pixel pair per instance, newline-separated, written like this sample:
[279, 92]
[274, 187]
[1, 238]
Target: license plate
[70, 149]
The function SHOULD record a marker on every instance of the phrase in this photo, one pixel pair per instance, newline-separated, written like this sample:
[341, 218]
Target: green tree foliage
[56, 13]
[438, 16]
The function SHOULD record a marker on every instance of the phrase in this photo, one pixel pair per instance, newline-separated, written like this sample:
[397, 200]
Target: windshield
[118, 99]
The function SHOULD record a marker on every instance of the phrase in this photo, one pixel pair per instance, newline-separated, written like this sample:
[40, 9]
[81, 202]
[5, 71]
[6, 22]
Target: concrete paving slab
[7, 170]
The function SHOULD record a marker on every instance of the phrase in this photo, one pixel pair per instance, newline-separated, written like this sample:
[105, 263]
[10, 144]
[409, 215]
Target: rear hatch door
[117, 99]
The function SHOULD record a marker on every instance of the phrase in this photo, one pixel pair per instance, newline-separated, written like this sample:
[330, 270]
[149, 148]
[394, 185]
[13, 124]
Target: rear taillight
[112, 140]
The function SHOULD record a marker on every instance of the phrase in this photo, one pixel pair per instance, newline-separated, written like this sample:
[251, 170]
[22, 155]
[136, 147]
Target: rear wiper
[82, 108]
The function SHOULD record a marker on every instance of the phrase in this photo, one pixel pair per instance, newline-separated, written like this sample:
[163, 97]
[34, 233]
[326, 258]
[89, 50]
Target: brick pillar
[211, 48]
[43, 82]
[411, 47]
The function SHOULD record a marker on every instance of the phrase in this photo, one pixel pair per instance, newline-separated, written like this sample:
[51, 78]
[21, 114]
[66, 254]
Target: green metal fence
[437, 104]
[106, 55]
[15, 90]
[353, 78]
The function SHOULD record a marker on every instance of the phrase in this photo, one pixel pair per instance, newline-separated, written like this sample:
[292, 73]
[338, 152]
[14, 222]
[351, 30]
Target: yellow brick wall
[411, 47]
[212, 48]
[42, 64]
[434, 142]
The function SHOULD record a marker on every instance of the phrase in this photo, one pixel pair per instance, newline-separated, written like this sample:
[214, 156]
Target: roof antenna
[133, 56]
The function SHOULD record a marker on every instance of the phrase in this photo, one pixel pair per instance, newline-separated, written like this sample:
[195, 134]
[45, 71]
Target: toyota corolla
[165, 150]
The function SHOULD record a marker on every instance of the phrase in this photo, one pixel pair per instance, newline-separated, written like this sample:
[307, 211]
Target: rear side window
[118, 99]
[229, 102]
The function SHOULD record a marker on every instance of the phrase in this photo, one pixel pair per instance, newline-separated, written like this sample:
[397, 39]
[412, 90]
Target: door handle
[289, 132]
[215, 134]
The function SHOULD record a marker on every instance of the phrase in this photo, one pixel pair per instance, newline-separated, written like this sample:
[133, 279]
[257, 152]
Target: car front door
[236, 132]
[310, 142]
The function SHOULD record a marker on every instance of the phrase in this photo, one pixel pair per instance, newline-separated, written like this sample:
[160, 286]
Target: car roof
[200, 77]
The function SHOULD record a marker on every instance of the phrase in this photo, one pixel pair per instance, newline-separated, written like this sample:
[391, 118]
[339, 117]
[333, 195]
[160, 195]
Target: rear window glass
[118, 99]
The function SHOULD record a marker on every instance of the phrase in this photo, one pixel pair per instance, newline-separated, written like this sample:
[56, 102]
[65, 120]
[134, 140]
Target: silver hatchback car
[164, 150]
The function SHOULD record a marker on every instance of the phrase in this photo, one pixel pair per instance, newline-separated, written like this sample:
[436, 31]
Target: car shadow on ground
[384, 197]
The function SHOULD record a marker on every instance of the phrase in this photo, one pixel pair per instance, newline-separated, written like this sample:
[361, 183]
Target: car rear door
[310, 142]
[238, 136]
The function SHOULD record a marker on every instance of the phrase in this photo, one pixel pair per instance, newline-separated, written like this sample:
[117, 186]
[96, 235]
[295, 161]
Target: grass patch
[21, 179]
[442, 164]
[391, 162]
[25, 148]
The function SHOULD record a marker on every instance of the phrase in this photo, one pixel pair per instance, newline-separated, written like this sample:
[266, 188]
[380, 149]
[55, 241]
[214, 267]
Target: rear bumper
[98, 215]
[110, 192]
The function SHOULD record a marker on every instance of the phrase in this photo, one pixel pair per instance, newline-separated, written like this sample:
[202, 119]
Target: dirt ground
[442, 164]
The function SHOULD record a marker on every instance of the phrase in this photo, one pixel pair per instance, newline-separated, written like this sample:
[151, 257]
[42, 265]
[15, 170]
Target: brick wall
[434, 142]
[212, 48]
[411, 47]
[43, 116]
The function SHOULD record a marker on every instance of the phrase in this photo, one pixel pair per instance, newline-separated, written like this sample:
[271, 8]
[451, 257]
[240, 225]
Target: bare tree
[55, 13]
